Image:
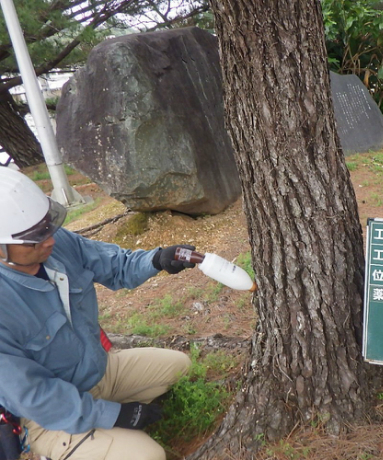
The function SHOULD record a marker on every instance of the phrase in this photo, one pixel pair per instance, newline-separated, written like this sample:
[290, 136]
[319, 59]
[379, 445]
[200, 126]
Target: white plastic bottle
[219, 269]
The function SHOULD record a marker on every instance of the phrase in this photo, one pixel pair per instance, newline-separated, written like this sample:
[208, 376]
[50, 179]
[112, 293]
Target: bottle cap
[254, 287]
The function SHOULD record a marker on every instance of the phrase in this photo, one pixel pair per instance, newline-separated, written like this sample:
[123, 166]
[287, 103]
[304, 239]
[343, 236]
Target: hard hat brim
[44, 229]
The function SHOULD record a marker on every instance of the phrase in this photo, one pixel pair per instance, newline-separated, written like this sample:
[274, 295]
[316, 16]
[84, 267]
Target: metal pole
[62, 191]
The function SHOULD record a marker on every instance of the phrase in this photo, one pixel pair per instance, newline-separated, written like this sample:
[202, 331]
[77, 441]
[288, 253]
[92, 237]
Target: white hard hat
[27, 215]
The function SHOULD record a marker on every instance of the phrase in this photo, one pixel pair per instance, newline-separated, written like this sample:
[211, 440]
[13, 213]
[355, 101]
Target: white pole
[62, 191]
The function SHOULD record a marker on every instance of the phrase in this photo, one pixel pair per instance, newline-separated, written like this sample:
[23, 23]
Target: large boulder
[144, 120]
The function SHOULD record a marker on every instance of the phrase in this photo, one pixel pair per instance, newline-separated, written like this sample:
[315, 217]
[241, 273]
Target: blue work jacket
[48, 363]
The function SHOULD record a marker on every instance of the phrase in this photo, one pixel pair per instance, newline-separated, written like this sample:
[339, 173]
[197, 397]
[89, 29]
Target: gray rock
[144, 120]
[198, 306]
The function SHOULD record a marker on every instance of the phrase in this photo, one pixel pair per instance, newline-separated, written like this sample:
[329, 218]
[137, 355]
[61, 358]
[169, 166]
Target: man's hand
[164, 259]
[136, 415]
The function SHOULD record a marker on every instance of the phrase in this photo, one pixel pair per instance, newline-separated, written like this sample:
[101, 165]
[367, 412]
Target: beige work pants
[138, 374]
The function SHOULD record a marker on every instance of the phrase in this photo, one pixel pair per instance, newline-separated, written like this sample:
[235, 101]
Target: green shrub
[193, 406]
[191, 410]
[353, 30]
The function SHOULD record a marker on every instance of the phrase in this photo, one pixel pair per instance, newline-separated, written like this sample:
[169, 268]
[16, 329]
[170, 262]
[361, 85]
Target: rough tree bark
[16, 137]
[303, 223]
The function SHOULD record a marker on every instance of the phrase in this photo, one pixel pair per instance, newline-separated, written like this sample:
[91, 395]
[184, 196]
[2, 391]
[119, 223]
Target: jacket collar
[31, 281]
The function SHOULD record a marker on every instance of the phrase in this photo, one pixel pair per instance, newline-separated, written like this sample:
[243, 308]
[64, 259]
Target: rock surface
[144, 120]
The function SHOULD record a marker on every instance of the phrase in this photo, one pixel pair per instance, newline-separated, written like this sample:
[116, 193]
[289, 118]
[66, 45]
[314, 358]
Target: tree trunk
[303, 224]
[16, 137]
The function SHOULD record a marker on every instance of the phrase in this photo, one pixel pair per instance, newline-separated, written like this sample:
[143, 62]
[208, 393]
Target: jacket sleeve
[31, 391]
[112, 266]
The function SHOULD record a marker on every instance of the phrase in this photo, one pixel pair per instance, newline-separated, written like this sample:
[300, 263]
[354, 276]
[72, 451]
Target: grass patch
[189, 328]
[220, 363]
[195, 292]
[244, 301]
[213, 292]
[351, 165]
[40, 175]
[138, 325]
[372, 160]
[245, 262]
[209, 294]
[52, 102]
[42, 172]
[165, 308]
[114, 323]
[376, 164]
[193, 407]
[148, 324]
[377, 199]
[76, 213]
[283, 449]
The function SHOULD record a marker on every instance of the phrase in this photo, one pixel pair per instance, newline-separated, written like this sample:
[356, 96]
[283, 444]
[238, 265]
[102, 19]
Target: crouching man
[76, 400]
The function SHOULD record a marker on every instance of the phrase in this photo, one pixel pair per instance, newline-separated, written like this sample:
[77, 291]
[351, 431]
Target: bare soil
[210, 310]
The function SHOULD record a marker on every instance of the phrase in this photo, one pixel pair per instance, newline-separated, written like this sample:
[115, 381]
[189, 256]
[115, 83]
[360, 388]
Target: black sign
[358, 118]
